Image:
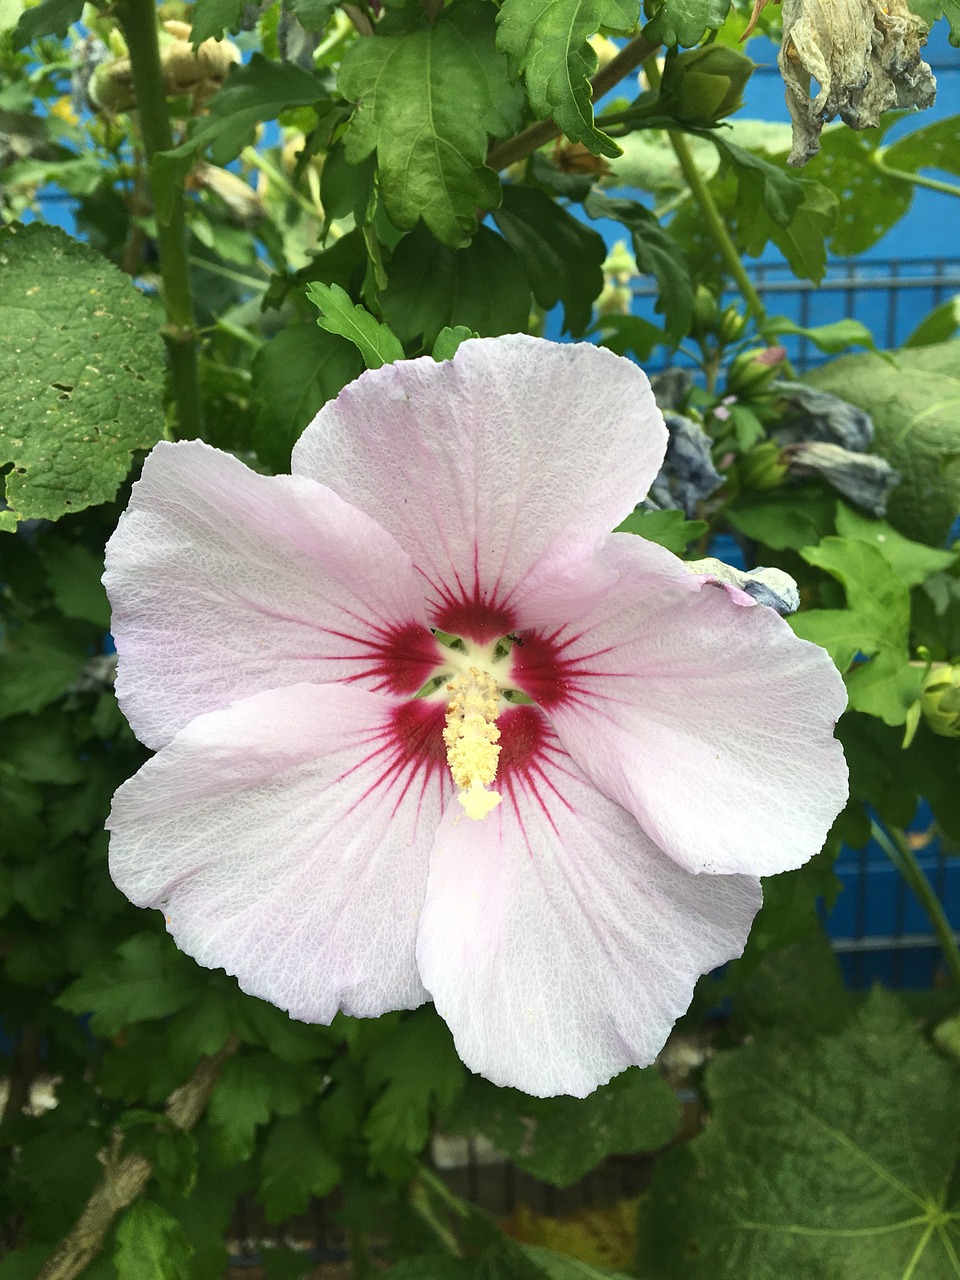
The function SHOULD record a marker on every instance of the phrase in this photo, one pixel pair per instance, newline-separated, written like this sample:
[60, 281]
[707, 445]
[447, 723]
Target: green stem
[138, 20]
[932, 184]
[708, 207]
[897, 848]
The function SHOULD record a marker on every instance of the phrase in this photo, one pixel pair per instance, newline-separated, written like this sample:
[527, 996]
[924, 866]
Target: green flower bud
[704, 85]
[940, 700]
[732, 324]
[762, 467]
[753, 371]
[705, 312]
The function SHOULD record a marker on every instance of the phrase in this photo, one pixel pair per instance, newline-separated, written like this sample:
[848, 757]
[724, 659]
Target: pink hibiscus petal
[557, 941]
[480, 468]
[224, 582]
[287, 839]
[711, 723]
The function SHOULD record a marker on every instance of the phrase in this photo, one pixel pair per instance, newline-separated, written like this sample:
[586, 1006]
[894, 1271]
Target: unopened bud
[940, 701]
[753, 371]
[705, 312]
[732, 324]
[701, 86]
[762, 467]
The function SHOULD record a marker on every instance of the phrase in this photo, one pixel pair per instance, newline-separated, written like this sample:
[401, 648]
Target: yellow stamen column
[471, 738]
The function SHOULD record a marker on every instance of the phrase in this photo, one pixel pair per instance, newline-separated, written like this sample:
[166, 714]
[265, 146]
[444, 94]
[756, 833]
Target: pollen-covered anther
[471, 739]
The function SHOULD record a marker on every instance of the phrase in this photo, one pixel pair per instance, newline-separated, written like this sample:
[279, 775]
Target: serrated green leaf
[38, 664]
[875, 593]
[563, 259]
[829, 1158]
[81, 373]
[250, 1089]
[252, 93]
[482, 287]
[912, 562]
[886, 687]
[296, 1164]
[210, 18]
[339, 314]
[560, 1139]
[427, 101]
[150, 1243]
[684, 21]
[145, 978]
[418, 1070]
[670, 529]
[915, 406]
[546, 42]
[49, 18]
[657, 254]
[292, 376]
[448, 341]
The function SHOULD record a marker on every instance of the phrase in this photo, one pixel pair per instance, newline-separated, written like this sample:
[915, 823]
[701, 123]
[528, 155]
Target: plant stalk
[711, 214]
[125, 1176]
[917, 180]
[897, 848]
[138, 21]
[529, 140]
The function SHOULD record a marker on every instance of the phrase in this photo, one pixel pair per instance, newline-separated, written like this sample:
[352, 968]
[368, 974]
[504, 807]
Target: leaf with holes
[830, 1158]
[81, 374]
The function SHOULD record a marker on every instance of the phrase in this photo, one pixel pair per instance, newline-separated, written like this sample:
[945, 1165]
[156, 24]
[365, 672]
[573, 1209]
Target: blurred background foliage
[229, 174]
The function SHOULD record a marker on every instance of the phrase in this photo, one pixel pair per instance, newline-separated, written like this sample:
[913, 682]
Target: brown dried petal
[865, 55]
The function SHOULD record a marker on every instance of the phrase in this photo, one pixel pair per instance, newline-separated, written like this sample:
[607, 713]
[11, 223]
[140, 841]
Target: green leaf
[869, 202]
[875, 594]
[685, 21]
[448, 341]
[546, 42]
[797, 990]
[150, 1243]
[563, 259]
[912, 562]
[73, 575]
[145, 977]
[560, 1139]
[38, 664]
[250, 1089]
[42, 749]
[657, 254]
[938, 325]
[296, 1164]
[313, 15]
[785, 519]
[935, 146]
[210, 18]
[49, 18]
[418, 1070]
[482, 287]
[886, 687]
[339, 314]
[558, 1266]
[292, 376]
[427, 101]
[832, 338]
[258, 91]
[915, 405]
[760, 181]
[830, 1157]
[81, 372]
[671, 529]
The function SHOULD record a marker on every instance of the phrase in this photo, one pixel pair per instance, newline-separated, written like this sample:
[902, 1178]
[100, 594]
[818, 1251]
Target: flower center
[471, 738]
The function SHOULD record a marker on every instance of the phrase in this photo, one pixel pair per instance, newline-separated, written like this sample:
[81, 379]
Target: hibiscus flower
[426, 730]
